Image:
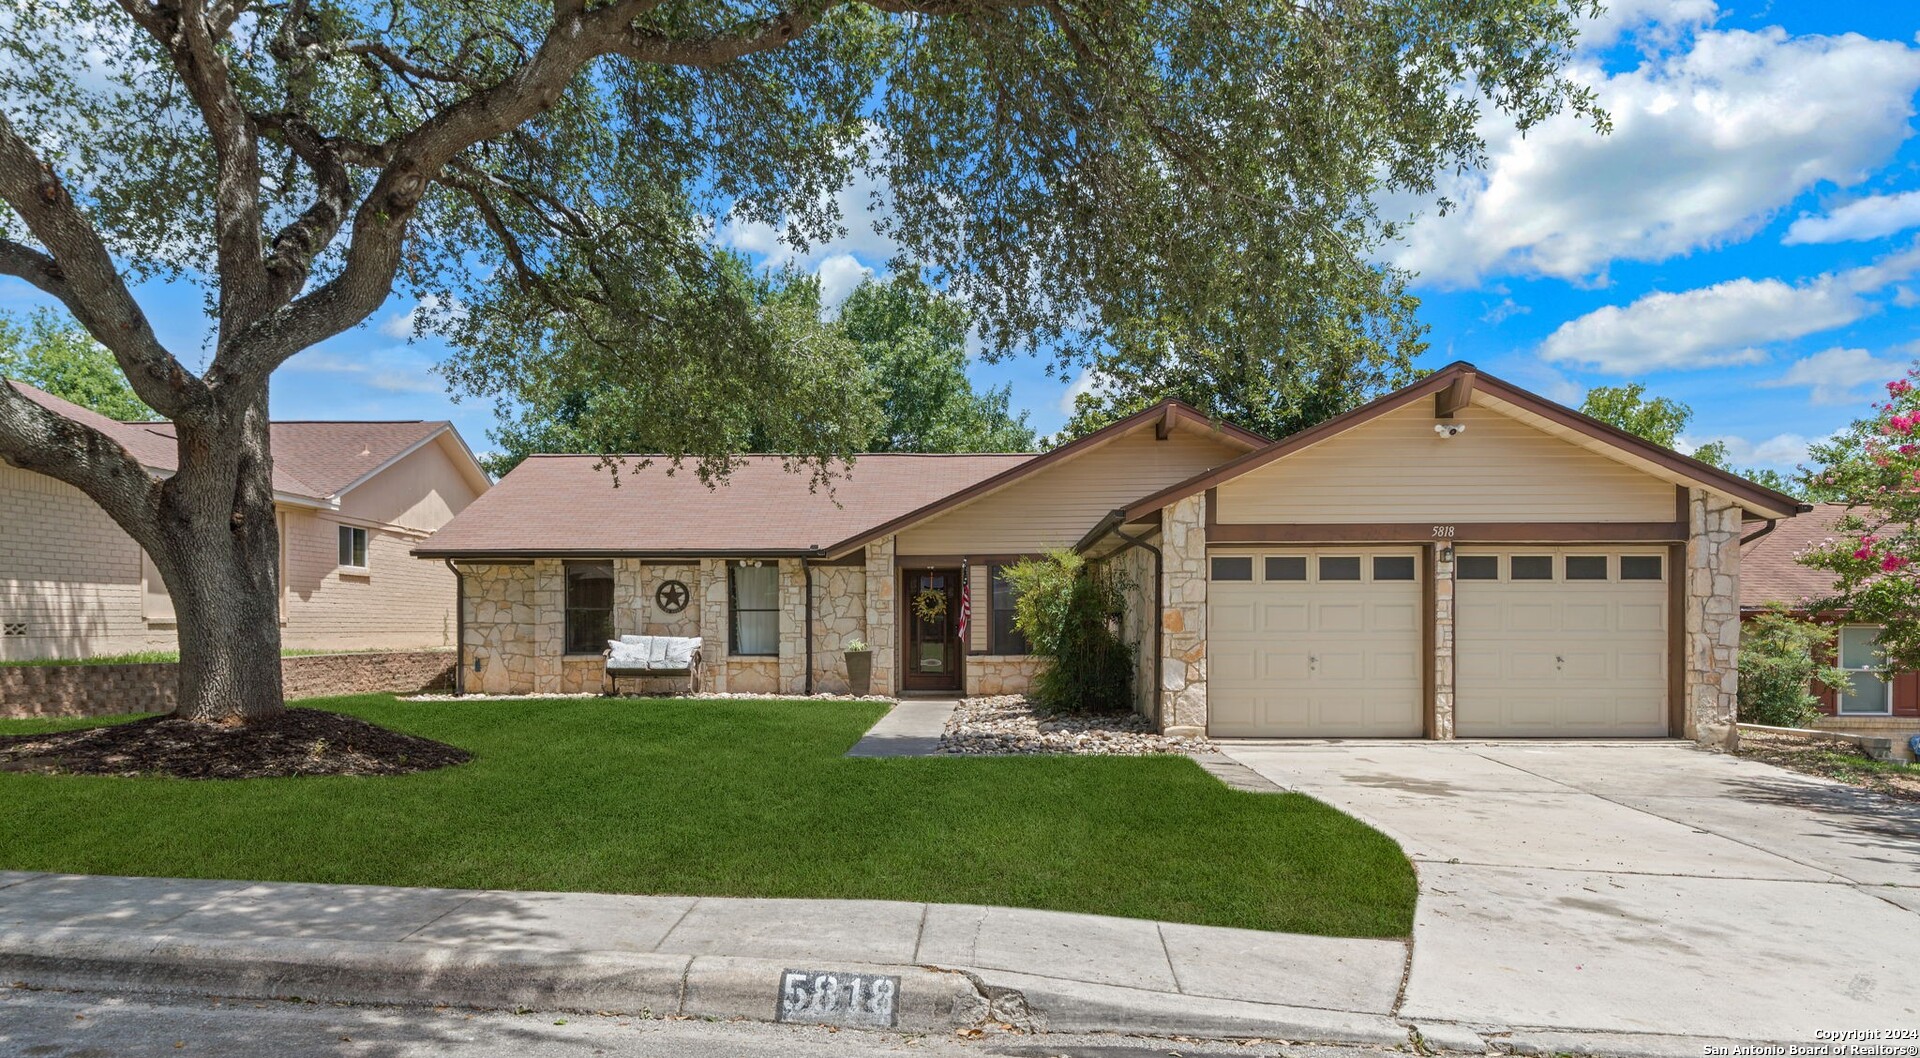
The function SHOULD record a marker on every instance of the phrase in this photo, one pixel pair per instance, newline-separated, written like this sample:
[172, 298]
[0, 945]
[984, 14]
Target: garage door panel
[1560, 658]
[1343, 617]
[1277, 665]
[1226, 618]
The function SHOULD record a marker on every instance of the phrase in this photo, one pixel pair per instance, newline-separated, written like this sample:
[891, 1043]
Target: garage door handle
[1558, 661]
[1313, 661]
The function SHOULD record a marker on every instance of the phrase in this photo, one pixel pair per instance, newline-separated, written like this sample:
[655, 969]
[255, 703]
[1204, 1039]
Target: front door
[931, 611]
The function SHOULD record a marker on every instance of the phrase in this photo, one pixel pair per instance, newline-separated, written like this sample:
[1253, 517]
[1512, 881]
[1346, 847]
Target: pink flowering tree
[1874, 468]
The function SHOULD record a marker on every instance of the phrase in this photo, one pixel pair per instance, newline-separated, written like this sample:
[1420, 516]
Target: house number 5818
[1443, 532]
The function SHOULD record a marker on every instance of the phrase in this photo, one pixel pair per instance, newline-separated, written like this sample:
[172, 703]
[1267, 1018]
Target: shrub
[1070, 613]
[1781, 658]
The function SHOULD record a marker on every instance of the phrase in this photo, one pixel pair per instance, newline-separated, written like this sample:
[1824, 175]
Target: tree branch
[34, 438]
[76, 268]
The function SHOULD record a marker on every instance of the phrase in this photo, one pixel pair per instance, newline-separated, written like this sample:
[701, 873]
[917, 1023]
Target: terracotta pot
[859, 671]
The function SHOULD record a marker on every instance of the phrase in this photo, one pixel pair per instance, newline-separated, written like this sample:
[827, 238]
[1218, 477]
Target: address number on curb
[826, 997]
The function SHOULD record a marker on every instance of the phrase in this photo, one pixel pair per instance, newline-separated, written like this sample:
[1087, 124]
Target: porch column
[1443, 582]
[1183, 620]
[1713, 618]
[549, 624]
[713, 623]
[793, 628]
[882, 636]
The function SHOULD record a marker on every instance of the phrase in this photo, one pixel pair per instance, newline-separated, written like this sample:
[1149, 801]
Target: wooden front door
[930, 612]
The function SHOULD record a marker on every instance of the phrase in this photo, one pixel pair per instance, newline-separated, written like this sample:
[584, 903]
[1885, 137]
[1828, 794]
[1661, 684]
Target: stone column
[549, 624]
[882, 636]
[793, 627]
[712, 591]
[1442, 574]
[1183, 620]
[1713, 618]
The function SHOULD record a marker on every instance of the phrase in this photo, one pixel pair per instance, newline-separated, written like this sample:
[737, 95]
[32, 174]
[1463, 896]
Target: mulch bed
[1832, 758]
[295, 742]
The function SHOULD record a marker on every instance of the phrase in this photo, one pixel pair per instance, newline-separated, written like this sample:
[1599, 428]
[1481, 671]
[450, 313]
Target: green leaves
[51, 353]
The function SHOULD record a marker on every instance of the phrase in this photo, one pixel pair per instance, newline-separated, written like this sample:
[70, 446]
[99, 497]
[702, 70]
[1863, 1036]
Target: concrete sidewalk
[960, 966]
[911, 728]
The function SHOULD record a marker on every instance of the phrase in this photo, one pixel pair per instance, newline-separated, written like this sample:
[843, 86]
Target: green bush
[1070, 613]
[1781, 658]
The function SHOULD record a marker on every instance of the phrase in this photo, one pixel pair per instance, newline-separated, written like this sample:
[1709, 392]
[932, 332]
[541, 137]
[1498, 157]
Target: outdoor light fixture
[1449, 429]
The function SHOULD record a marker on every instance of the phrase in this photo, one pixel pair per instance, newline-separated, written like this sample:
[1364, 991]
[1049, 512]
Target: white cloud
[1859, 220]
[1088, 381]
[1722, 324]
[1782, 451]
[1652, 22]
[390, 372]
[1707, 144]
[1837, 375]
[839, 274]
[406, 325]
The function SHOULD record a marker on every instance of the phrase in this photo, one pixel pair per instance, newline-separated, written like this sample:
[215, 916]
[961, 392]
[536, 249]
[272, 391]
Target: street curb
[931, 999]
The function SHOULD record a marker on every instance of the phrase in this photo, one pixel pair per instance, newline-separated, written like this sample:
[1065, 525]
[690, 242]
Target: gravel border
[1006, 725]
[717, 695]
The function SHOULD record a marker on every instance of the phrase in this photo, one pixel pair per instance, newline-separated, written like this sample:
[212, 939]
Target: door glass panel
[1286, 567]
[1479, 567]
[1586, 567]
[1339, 567]
[1530, 567]
[1393, 567]
[932, 603]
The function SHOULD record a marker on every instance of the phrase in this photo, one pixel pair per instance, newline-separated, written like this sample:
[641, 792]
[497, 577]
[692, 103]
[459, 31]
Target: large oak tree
[548, 173]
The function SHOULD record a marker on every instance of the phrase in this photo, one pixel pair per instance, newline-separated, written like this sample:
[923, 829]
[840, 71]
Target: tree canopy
[1662, 420]
[50, 353]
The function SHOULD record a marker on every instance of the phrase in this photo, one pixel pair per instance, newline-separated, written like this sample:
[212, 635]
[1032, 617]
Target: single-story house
[1460, 558]
[1872, 705]
[351, 499]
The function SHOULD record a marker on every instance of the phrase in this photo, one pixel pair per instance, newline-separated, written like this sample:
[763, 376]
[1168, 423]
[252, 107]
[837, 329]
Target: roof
[1770, 571]
[1463, 383]
[311, 460]
[556, 505]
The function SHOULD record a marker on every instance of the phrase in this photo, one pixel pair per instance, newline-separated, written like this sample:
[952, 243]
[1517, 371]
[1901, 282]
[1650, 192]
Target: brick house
[351, 500]
[1460, 558]
[1872, 705]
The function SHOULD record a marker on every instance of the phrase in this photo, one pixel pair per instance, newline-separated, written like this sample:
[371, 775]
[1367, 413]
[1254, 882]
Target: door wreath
[930, 604]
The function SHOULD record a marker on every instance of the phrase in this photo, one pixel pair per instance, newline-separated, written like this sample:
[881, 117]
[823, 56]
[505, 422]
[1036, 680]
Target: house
[1460, 558]
[1872, 705]
[351, 500]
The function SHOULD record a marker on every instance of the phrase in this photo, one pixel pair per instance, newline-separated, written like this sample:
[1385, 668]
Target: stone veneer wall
[1713, 618]
[498, 638]
[882, 598]
[1000, 673]
[108, 690]
[1443, 676]
[1134, 567]
[1183, 586]
[839, 617]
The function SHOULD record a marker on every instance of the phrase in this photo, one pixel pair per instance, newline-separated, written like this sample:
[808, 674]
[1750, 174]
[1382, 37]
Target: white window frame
[365, 540]
[1886, 686]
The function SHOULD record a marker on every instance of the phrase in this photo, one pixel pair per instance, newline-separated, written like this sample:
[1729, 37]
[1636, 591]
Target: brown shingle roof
[566, 504]
[312, 459]
[1769, 570]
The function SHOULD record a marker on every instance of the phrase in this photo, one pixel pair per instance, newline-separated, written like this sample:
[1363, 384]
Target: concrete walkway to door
[1635, 888]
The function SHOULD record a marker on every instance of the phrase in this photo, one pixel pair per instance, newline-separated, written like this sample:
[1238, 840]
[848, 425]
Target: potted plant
[859, 666]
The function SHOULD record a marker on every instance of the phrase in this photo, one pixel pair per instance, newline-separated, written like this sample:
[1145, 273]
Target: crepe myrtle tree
[1873, 467]
[546, 176]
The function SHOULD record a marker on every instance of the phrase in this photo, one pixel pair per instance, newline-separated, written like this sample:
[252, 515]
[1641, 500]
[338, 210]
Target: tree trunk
[218, 553]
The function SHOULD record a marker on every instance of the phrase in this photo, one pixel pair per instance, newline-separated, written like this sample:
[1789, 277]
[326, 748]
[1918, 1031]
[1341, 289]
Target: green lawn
[734, 798]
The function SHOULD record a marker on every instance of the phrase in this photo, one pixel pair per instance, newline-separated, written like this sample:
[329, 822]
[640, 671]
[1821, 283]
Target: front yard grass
[734, 798]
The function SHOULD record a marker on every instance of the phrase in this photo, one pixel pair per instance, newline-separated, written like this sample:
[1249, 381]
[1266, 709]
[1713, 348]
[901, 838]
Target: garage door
[1560, 643]
[1306, 643]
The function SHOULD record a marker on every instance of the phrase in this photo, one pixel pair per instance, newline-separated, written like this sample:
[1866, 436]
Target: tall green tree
[50, 353]
[1071, 171]
[1662, 420]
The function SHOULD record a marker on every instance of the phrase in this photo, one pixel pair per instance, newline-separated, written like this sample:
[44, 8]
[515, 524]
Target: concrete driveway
[1635, 887]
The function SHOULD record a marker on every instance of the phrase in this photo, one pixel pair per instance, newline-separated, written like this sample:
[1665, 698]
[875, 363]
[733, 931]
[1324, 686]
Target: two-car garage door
[1330, 643]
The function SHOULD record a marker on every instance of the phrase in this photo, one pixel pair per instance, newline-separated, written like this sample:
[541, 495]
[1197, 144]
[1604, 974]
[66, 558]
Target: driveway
[1635, 887]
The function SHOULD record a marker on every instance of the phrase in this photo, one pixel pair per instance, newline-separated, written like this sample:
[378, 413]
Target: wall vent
[13, 628]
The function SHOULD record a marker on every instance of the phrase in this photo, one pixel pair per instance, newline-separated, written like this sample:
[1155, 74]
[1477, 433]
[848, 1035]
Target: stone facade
[108, 690]
[1000, 673]
[1713, 618]
[882, 583]
[1183, 620]
[1134, 568]
[499, 640]
[839, 618]
[1442, 574]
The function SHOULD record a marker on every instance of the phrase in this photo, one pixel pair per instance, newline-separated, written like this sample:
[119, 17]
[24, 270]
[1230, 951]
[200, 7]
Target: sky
[1746, 240]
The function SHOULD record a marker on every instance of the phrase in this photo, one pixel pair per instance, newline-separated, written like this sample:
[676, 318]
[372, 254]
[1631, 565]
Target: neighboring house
[1872, 705]
[1458, 558]
[351, 498]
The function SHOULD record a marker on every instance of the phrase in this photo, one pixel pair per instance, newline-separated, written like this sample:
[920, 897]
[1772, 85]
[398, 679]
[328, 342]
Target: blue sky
[1747, 240]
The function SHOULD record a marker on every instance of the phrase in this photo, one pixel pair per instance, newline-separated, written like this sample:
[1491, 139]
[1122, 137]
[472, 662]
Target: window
[1393, 567]
[755, 592]
[1003, 637]
[1478, 567]
[1286, 567]
[1860, 655]
[1237, 567]
[1339, 567]
[589, 606]
[1639, 567]
[1530, 567]
[353, 546]
[1586, 567]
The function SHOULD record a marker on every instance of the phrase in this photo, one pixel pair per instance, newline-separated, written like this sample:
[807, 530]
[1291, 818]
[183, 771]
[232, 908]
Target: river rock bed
[1007, 724]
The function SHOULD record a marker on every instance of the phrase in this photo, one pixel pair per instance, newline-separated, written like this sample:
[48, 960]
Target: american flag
[966, 602]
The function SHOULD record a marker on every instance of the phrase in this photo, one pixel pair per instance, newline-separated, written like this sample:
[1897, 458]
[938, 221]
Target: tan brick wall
[399, 601]
[105, 690]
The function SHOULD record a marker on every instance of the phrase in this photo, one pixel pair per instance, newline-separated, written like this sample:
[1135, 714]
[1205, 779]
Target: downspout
[806, 634]
[1159, 596]
[459, 629]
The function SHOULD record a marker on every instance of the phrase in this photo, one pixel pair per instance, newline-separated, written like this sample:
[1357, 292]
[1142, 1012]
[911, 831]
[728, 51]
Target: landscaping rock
[1008, 724]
